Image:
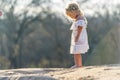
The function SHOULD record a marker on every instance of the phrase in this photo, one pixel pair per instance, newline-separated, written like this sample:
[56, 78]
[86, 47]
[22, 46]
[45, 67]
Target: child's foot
[75, 66]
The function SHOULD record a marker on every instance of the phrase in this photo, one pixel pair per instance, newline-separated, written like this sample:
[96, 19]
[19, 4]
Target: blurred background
[36, 34]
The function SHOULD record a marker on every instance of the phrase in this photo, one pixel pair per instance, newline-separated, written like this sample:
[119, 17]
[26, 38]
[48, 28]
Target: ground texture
[105, 72]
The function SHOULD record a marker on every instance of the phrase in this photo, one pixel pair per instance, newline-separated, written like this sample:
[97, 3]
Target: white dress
[82, 45]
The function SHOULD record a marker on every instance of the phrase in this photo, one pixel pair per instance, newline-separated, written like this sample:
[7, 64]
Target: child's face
[71, 14]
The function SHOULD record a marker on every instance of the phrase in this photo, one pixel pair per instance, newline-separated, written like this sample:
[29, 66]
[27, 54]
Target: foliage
[41, 38]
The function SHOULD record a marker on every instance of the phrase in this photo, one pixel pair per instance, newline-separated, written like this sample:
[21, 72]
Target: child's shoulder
[80, 22]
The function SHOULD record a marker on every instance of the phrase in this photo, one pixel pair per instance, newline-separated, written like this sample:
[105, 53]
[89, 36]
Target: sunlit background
[35, 33]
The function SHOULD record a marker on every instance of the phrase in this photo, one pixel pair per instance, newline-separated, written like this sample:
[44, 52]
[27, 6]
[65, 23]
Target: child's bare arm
[78, 33]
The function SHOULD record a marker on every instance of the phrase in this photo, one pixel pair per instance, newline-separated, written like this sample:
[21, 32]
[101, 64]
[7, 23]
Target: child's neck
[78, 17]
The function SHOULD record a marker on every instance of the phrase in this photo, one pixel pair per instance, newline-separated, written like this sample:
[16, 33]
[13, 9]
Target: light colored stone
[105, 72]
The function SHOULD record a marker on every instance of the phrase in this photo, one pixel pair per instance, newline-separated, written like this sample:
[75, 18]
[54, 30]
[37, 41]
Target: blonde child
[79, 38]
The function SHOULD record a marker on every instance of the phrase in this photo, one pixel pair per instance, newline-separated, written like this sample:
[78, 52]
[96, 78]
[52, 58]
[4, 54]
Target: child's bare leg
[78, 60]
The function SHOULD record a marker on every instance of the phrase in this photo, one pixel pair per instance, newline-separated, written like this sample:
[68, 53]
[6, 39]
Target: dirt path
[108, 72]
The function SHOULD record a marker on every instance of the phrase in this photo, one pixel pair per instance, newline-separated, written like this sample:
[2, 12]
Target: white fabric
[82, 45]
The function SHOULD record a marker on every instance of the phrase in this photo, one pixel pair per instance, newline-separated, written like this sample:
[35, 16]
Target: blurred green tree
[33, 38]
[31, 35]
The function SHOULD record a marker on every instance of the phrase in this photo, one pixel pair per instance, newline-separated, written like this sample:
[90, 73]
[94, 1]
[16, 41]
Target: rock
[105, 72]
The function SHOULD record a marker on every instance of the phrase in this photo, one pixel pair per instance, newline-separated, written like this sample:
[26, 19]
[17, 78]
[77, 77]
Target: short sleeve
[80, 23]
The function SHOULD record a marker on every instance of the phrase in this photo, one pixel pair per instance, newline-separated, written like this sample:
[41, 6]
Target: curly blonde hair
[73, 7]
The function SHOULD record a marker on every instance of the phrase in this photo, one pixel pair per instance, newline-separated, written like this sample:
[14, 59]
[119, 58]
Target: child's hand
[78, 42]
[76, 39]
[78, 33]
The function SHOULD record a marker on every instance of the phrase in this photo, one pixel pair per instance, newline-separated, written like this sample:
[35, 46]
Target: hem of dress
[78, 53]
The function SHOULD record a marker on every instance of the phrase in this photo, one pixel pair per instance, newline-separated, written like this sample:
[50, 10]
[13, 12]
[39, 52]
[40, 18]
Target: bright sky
[23, 2]
[89, 7]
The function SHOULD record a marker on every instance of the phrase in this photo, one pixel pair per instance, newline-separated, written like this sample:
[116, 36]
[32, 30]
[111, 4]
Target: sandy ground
[106, 72]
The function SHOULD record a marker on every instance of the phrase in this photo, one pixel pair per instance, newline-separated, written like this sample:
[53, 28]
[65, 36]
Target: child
[79, 38]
